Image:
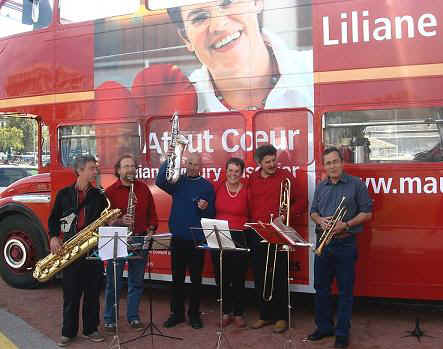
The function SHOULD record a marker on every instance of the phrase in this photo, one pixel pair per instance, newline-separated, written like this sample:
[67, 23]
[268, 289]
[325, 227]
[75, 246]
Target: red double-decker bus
[104, 78]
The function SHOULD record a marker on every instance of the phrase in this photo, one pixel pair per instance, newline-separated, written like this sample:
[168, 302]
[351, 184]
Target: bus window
[87, 10]
[106, 142]
[19, 16]
[387, 136]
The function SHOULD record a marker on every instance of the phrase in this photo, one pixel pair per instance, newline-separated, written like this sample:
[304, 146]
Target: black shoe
[341, 342]
[317, 335]
[196, 322]
[173, 320]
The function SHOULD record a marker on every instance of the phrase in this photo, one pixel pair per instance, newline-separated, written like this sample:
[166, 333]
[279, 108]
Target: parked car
[9, 174]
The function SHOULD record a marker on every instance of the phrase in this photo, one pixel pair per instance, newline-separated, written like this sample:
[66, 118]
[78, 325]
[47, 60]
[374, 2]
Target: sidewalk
[17, 334]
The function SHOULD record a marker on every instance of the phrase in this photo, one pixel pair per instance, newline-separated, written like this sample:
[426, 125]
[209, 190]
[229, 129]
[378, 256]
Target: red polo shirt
[145, 214]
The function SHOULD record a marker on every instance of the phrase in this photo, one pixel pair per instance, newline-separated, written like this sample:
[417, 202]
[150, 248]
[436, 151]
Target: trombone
[272, 249]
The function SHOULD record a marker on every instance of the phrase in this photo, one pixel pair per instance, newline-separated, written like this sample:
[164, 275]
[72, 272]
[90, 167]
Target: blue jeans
[136, 273]
[337, 260]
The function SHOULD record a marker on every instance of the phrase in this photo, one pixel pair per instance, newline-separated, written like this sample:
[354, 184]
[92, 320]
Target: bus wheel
[20, 247]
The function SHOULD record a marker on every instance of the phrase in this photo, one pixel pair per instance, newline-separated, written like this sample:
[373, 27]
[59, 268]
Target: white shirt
[294, 89]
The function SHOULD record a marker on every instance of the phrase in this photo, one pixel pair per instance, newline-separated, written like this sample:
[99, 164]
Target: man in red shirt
[144, 221]
[264, 192]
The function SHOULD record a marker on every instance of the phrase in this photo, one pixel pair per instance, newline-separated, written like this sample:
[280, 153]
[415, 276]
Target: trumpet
[272, 249]
[329, 233]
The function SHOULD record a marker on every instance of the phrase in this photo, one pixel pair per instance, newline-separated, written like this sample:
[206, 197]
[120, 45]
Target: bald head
[193, 165]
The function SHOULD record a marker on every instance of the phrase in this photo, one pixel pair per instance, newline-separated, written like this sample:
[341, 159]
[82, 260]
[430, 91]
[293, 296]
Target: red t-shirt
[145, 214]
[264, 195]
[232, 208]
[81, 217]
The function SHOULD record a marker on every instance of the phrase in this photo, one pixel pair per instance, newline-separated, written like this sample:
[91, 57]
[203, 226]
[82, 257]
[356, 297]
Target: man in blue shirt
[339, 256]
[192, 199]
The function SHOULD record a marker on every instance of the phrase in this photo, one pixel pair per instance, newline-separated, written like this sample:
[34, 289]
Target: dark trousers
[337, 260]
[83, 277]
[235, 265]
[277, 308]
[185, 256]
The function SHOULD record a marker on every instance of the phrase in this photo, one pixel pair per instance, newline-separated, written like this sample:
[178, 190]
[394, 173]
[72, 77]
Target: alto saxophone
[179, 143]
[74, 248]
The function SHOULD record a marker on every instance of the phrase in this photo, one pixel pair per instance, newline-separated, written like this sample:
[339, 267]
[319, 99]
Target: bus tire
[21, 246]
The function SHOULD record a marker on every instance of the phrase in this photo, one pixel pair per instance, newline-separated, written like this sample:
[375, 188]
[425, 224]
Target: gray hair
[81, 161]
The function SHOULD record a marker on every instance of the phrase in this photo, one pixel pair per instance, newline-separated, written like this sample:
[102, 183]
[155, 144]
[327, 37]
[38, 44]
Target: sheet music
[106, 242]
[158, 242]
[289, 232]
[223, 229]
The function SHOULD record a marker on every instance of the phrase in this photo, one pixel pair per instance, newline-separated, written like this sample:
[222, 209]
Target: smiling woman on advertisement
[244, 66]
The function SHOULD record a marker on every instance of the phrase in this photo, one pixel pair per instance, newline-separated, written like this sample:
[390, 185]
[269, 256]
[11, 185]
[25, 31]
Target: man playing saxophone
[140, 216]
[75, 207]
[264, 193]
[337, 259]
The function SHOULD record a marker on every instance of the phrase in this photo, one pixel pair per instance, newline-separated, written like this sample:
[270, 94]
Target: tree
[28, 127]
[11, 137]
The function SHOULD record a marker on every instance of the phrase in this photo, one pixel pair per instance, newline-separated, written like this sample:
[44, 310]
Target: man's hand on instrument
[127, 220]
[340, 229]
[324, 222]
[55, 245]
[202, 204]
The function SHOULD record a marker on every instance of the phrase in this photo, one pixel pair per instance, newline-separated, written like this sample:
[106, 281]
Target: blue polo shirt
[328, 195]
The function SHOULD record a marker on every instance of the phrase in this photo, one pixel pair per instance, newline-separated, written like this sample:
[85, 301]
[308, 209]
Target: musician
[75, 207]
[231, 204]
[144, 223]
[192, 199]
[339, 256]
[264, 191]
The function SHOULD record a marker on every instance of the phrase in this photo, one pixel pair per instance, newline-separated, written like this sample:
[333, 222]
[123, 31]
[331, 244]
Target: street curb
[23, 335]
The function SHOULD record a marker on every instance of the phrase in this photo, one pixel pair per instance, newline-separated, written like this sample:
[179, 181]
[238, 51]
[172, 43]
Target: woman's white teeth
[227, 40]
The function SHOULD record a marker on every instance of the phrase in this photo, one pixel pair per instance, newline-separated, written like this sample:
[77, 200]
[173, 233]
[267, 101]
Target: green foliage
[11, 137]
[28, 127]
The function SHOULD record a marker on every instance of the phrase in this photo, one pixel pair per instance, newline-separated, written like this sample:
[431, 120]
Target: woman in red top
[231, 204]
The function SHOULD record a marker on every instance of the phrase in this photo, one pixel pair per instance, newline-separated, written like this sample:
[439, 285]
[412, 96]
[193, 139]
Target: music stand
[119, 245]
[276, 232]
[216, 234]
[157, 242]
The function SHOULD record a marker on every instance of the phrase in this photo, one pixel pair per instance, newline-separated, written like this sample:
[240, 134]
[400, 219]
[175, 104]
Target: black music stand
[276, 232]
[158, 242]
[223, 243]
[116, 240]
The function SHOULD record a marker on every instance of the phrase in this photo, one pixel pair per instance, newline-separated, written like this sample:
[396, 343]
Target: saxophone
[179, 143]
[74, 248]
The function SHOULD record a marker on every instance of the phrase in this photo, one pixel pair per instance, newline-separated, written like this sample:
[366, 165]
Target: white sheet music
[106, 242]
[223, 228]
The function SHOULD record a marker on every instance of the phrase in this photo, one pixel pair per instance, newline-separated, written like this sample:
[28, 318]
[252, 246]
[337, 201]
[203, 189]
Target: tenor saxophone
[74, 248]
[178, 142]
